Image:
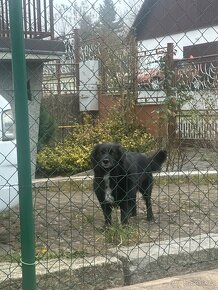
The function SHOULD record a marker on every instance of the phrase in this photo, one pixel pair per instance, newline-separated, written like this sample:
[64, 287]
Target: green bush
[47, 128]
[73, 155]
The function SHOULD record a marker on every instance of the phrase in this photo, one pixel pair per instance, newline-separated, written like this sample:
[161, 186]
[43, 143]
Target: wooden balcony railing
[38, 19]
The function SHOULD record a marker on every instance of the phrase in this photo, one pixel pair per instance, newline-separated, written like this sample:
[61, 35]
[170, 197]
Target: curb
[149, 261]
[89, 177]
[72, 274]
[122, 266]
[194, 281]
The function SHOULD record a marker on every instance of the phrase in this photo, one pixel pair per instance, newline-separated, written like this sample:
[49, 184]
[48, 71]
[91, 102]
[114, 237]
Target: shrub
[73, 155]
[63, 158]
[47, 128]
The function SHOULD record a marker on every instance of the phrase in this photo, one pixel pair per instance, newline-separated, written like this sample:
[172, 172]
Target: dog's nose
[105, 161]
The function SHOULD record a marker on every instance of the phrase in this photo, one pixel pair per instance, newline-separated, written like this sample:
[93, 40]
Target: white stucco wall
[181, 39]
[200, 99]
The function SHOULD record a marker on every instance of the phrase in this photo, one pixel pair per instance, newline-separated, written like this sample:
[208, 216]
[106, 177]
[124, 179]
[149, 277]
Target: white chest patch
[108, 192]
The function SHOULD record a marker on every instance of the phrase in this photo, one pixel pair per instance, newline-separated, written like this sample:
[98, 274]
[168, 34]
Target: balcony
[38, 21]
[38, 24]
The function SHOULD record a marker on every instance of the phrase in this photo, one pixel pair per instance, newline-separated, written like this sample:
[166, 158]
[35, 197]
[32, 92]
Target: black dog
[119, 174]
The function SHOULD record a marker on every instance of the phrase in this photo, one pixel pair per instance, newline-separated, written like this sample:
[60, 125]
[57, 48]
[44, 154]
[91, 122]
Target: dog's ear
[94, 155]
[121, 152]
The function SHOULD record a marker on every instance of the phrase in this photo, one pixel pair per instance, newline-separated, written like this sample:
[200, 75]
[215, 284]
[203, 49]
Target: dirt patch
[68, 219]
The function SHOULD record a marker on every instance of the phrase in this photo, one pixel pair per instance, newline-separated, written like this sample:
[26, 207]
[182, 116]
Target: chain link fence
[140, 73]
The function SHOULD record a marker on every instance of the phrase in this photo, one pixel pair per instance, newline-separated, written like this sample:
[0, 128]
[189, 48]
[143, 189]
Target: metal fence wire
[142, 74]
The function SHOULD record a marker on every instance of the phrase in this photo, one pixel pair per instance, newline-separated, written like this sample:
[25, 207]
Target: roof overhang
[35, 49]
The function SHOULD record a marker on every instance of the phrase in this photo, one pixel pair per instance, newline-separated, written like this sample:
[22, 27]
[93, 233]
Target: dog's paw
[150, 219]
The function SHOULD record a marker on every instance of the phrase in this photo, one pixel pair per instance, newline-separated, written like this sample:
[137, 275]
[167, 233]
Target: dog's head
[107, 155]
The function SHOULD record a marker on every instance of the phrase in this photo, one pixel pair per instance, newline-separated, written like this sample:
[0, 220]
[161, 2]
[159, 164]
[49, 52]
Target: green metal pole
[23, 146]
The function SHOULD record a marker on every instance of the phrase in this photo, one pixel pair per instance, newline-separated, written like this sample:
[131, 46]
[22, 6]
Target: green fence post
[23, 146]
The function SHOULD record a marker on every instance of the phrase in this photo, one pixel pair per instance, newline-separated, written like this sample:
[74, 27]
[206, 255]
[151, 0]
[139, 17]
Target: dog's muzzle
[105, 163]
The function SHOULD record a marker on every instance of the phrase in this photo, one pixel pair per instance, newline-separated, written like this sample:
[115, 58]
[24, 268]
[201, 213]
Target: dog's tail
[157, 160]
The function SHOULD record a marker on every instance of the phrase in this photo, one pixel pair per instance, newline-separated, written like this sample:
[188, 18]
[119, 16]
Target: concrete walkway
[206, 280]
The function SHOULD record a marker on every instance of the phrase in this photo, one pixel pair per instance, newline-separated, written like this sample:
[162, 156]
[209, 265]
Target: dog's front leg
[107, 211]
[124, 211]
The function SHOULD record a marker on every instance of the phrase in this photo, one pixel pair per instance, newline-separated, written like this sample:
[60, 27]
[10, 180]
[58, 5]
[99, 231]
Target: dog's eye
[111, 151]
